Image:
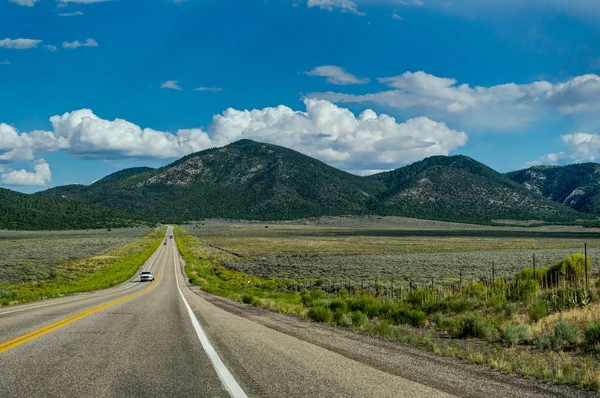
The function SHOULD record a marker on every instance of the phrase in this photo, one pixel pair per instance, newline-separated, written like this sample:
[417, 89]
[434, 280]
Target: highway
[167, 339]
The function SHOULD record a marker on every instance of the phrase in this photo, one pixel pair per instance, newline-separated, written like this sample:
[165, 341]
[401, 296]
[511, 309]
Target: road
[167, 339]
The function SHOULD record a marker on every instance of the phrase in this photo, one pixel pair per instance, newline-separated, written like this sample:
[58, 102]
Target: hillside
[245, 179]
[34, 212]
[575, 185]
[251, 180]
[458, 188]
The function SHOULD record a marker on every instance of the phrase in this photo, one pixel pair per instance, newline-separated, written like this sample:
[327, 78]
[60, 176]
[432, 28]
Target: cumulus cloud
[50, 47]
[333, 134]
[70, 14]
[211, 89]
[579, 148]
[5, 62]
[76, 44]
[172, 84]
[40, 176]
[336, 75]
[19, 44]
[502, 107]
[397, 17]
[28, 3]
[331, 5]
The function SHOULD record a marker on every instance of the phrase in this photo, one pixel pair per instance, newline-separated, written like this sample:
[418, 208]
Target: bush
[345, 320]
[516, 334]
[475, 326]
[510, 309]
[592, 333]
[313, 295]
[383, 329]
[419, 297]
[342, 293]
[538, 311]
[338, 304]
[544, 342]
[369, 305]
[320, 303]
[407, 316]
[247, 299]
[452, 326]
[358, 318]
[525, 289]
[439, 319]
[565, 334]
[477, 290]
[571, 269]
[320, 314]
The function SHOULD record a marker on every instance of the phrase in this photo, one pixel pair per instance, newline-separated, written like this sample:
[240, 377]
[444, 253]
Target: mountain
[35, 212]
[458, 188]
[252, 180]
[245, 179]
[575, 186]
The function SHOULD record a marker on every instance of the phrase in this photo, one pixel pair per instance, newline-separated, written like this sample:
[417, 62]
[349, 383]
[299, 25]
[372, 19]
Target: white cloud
[28, 3]
[40, 176]
[325, 131]
[579, 148]
[172, 84]
[502, 107]
[211, 89]
[336, 75]
[50, 47]
[397, 17]
[76, 44]
[5, 62]
[70, 14]
[19, 44]
[330, 5]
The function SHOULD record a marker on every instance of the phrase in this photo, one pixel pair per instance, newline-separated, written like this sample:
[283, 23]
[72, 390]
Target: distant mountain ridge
[252, 180]
[576, 186]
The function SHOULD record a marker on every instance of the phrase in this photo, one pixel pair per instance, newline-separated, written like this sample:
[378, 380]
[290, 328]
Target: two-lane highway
[163, 339]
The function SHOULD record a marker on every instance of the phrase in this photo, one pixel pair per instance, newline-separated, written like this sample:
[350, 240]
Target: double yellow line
[7, 345]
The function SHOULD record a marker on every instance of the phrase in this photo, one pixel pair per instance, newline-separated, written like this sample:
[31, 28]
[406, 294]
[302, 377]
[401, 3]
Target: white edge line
[227, 379]
[150, 262]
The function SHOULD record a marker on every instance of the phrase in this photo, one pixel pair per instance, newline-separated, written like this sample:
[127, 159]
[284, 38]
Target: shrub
[475, 326]
[358, 318]
[342, 293]
[320, 314]
[565, 334]
[510, 309]
[419, 297]
[544, 342]
[571, 269]
[516, 334]
[345, 320]
[247, 299]
[476, 290]
[338, 304]
[383, 329]
[538, 311]
[525, 289]
[369, 305]
[407, 316]
[592, 333]
[452, 326]
[320, 303]
[439, 319]
[313, 295]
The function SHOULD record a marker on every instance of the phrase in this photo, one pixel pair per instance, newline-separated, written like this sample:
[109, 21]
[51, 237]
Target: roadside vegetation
[39, 265]
[542, 323]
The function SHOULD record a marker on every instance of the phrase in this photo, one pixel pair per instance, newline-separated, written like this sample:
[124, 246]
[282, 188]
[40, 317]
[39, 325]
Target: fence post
[587, 287]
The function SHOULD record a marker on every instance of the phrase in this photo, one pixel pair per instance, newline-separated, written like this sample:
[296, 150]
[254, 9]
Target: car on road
[146, 276]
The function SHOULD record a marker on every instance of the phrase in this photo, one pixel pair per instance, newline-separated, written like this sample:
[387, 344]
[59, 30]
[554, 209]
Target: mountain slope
[34, 212]
[245, 179]
[252, 180]
[575, 186]
[458, 188]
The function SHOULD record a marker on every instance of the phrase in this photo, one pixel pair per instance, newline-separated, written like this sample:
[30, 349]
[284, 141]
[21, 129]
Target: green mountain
[35, 212]
[458, 188]
[245, 180]
[576, 186]
[251, 180]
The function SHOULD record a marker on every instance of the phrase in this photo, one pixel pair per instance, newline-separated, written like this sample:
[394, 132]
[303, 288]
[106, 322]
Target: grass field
[37, 265]
[383, 249]
[543, 324]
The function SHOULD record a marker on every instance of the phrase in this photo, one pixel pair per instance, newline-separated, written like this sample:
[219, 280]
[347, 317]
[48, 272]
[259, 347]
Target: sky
[89, 87]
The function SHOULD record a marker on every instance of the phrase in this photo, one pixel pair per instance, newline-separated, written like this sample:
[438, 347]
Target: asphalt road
[167, 339]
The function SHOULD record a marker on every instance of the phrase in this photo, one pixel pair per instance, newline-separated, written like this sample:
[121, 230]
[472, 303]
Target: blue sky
[89, 87]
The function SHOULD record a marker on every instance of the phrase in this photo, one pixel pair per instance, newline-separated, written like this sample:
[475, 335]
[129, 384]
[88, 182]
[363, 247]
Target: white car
[146, 276]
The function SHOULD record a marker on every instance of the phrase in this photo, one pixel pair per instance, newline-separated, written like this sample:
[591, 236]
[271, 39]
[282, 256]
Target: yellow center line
[7, 345]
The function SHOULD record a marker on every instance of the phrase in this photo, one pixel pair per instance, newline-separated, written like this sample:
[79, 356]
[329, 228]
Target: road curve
[164, 339]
